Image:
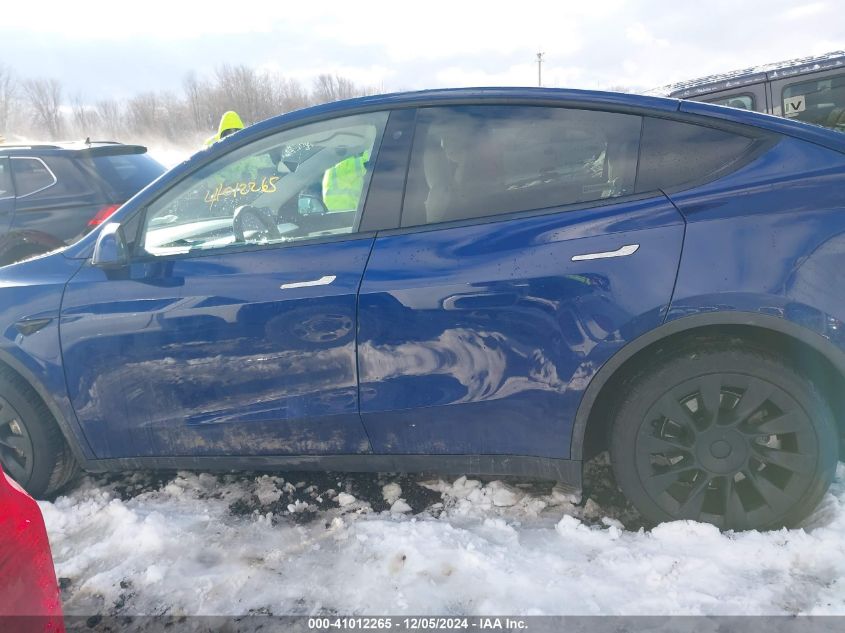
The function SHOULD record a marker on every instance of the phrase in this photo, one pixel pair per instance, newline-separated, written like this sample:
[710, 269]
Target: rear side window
[6, 189]
[31, 176]
[674, 154]
[742, 101]
[821, 101]
[127, 174]
[51, 177]
[477, 161]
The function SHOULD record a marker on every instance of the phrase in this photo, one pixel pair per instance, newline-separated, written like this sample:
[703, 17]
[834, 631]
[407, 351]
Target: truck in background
[810, 89]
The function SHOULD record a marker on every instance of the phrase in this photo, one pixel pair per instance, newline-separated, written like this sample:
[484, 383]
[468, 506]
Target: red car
[29, 593]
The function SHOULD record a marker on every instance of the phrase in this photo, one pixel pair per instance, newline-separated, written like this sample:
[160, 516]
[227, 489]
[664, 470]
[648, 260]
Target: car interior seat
[737, 103]
[836, 119]
[439, 176]
[479, 186]
[621, 169]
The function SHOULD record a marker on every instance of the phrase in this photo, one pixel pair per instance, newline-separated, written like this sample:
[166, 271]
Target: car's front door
[524, 260]
[232, 332]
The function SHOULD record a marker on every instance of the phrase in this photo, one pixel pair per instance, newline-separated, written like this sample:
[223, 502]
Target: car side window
[820, 101]
[478, 161]
[6, 189]
[125, 174]
[300, 184]
[31, 175]
[743, 101]
[675, 154]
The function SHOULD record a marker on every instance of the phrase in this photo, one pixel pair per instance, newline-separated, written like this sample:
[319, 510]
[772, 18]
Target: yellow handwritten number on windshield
[267, 185]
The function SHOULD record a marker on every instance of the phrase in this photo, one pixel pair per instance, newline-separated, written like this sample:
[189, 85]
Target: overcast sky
[108, 48]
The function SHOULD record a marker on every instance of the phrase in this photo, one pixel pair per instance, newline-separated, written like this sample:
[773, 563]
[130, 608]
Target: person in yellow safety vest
[343, 183]
[230, 122]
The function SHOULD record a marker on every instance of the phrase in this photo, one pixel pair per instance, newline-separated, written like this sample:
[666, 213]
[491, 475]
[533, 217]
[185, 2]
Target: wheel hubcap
[722, 451]
[15, 444]
[728, 449]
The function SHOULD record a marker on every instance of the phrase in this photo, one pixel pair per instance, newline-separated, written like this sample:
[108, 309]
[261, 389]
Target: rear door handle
[623, 251]
[325, 280]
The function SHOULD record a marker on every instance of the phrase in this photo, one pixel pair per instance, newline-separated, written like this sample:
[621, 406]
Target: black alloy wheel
[16, 451]
[33, 450]
[734, 438]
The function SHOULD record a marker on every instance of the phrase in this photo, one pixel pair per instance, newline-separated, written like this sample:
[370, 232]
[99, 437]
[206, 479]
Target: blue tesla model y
[488, 281]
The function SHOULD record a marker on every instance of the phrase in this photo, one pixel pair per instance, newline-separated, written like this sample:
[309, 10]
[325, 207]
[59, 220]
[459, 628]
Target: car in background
[478, 281]
[810, 89]
[52, 194]
[29, 593]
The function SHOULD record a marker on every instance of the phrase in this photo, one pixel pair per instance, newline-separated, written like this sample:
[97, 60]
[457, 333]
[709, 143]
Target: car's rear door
[53, 196]
[524, 259]
[212, 344]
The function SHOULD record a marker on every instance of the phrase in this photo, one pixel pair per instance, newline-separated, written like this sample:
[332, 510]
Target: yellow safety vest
[343, 183]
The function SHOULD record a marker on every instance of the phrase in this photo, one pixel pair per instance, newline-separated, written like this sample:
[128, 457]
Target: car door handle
[325, 280]
[623, 251]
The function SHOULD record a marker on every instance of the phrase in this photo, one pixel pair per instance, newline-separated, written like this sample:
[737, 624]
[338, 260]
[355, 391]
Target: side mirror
[110, 250]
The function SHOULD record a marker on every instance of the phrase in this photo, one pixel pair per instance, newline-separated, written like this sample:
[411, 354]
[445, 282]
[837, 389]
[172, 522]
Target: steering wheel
[256, 219]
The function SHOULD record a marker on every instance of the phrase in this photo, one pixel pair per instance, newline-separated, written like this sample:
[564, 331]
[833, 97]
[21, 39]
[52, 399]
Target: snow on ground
[305, 544]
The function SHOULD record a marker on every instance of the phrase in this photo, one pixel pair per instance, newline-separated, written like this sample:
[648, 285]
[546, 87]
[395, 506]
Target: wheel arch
[811, 351]
[77, 444]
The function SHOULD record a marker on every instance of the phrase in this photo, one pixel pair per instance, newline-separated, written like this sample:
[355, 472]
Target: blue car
[487, 281]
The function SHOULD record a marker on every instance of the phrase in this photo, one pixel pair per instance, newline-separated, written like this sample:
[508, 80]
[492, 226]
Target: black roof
[748, 76]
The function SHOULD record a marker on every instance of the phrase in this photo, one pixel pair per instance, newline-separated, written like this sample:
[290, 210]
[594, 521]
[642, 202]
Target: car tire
[725, 433]
[32, 448]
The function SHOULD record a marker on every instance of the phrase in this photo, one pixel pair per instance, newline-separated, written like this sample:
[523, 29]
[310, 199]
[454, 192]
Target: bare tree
[244, 90]
[142, 112]
[289, 95]
[334, 88]
[253, 94]
[197, 101]
[7, 95]
[173, 118]
[85, 120]
[110, 116]
[45, 98]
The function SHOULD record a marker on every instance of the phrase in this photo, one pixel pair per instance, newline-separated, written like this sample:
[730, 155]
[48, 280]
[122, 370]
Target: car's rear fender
[763, 249]
[807, 341]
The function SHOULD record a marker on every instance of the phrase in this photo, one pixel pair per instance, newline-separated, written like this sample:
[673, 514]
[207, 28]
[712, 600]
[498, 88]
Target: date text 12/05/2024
[418, 624]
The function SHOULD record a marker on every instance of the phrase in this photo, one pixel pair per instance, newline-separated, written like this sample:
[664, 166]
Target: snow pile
[392, 495]
[367, 544]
